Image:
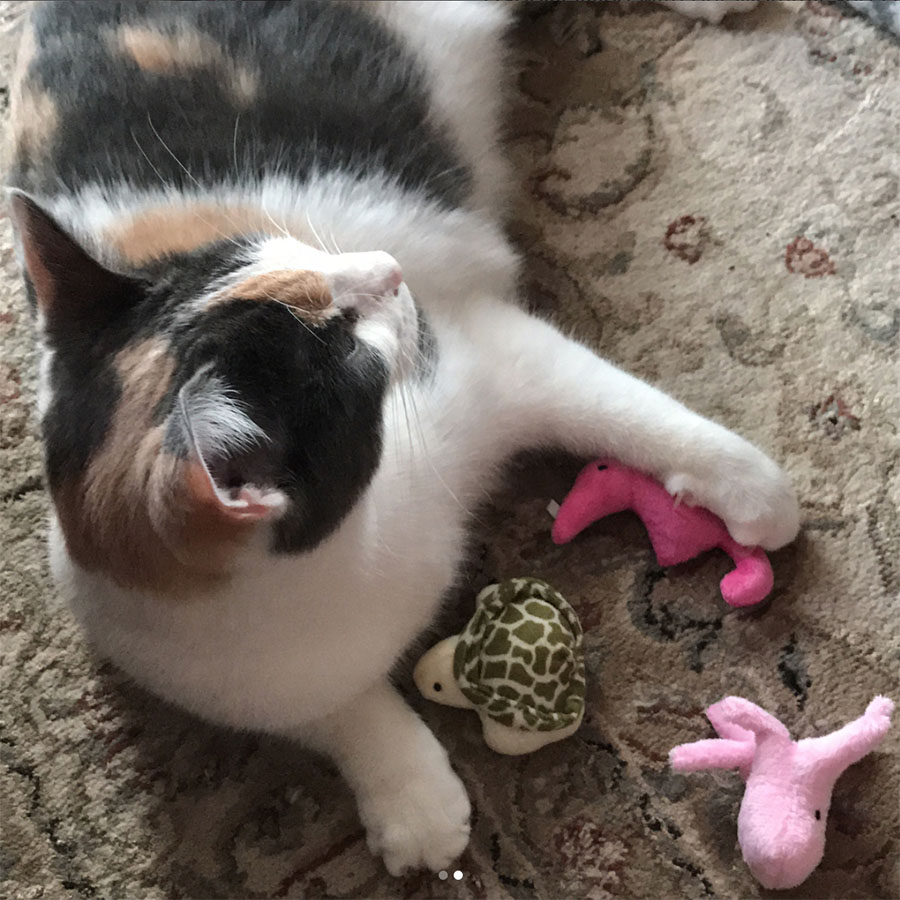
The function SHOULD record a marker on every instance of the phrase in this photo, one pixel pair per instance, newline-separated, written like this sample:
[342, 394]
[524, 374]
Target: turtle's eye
[437, 686]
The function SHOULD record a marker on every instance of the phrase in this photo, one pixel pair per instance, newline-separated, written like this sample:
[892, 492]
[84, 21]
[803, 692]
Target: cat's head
[210, 399]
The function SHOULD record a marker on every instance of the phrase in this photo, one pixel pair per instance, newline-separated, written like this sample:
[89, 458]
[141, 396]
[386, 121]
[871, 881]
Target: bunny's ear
[714, 754]
[834, 752]
[733, 715]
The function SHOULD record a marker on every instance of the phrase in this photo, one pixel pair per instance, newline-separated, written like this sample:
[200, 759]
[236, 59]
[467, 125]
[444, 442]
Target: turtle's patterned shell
[519, 659]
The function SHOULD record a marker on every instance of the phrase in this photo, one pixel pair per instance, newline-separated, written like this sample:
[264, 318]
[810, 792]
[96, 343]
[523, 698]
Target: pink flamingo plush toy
[781, 823]
[678, 532]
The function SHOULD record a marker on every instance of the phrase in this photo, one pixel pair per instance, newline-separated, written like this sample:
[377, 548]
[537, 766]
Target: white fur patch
[709, 10]
[216, 423]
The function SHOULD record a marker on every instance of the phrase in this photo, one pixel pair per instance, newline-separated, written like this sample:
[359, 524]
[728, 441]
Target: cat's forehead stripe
[159, 53]
[180, 227]
[305, 291]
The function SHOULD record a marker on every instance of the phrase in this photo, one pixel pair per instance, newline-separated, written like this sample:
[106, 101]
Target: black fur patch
[317, 395]
[85, 392]
[335, 91]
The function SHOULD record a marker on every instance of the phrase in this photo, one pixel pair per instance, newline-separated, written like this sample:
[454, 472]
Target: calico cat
[281, 361]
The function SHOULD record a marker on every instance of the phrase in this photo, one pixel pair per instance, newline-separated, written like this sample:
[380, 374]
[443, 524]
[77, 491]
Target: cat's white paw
[708, 10]
[421, 822]
[744, 488]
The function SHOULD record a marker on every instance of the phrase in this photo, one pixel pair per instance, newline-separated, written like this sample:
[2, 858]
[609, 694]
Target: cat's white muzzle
[391, 327]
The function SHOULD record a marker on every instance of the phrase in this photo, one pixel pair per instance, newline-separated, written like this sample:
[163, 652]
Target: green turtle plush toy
[518, 664]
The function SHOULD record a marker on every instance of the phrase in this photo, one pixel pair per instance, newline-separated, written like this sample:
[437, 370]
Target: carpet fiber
[718, 210]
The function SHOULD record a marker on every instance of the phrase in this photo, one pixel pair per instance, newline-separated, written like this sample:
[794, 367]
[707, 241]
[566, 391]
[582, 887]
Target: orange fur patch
[181, 227]
[34, 121]
[104, 517]
[305, 292]
[176, 53]
[132, 516]
[33, 112]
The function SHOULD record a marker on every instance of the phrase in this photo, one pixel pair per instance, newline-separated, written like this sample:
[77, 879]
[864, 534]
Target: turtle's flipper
[515, 741]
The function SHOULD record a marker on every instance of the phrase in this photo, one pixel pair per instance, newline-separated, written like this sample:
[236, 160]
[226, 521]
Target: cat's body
[255, 515]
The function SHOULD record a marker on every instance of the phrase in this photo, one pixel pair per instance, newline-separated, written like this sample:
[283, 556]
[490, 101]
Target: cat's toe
[748, 491]
[423, 823]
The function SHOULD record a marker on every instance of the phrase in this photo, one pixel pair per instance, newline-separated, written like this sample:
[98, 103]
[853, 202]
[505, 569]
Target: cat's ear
[69, 285]
[227, 468]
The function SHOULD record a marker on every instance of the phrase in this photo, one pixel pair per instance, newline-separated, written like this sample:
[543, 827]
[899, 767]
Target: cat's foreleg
[414, 808]
[554, 391]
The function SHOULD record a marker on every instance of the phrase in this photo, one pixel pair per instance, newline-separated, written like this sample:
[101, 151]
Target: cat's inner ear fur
[69, 285]
[228, 456]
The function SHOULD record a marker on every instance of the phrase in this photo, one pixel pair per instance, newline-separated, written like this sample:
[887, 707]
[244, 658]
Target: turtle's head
[434, 677]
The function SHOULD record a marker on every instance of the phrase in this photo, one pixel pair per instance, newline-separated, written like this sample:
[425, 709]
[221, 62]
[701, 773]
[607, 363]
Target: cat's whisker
[296, 318]
[312, 228]
[165, 183]
[425, 449]
[284, 225]
[168, 150]
[150, 163]
[407, 390]
[234, 146]
[420, 434]
[437, 175]
[334, 243]
[412, 451]
[356, 295]
[280, 228]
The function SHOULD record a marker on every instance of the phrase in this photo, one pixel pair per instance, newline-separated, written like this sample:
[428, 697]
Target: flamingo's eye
[818, 815]
[601, 468]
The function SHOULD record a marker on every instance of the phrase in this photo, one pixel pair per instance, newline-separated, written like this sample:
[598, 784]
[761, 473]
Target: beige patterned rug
[718, 210]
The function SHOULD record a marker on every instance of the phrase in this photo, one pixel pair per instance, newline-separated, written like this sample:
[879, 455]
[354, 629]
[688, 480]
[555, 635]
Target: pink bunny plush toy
[678, 532]
[781, 824]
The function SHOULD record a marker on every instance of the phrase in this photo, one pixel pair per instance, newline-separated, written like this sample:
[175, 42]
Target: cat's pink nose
[377, 272]
[393, 279]
[363, 280]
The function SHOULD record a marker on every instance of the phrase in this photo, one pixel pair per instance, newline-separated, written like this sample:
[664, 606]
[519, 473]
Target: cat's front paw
[747, 490]
[422, 822]
[711, 12]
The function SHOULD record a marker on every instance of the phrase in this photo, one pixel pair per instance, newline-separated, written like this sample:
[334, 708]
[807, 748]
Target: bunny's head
[781, 824]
